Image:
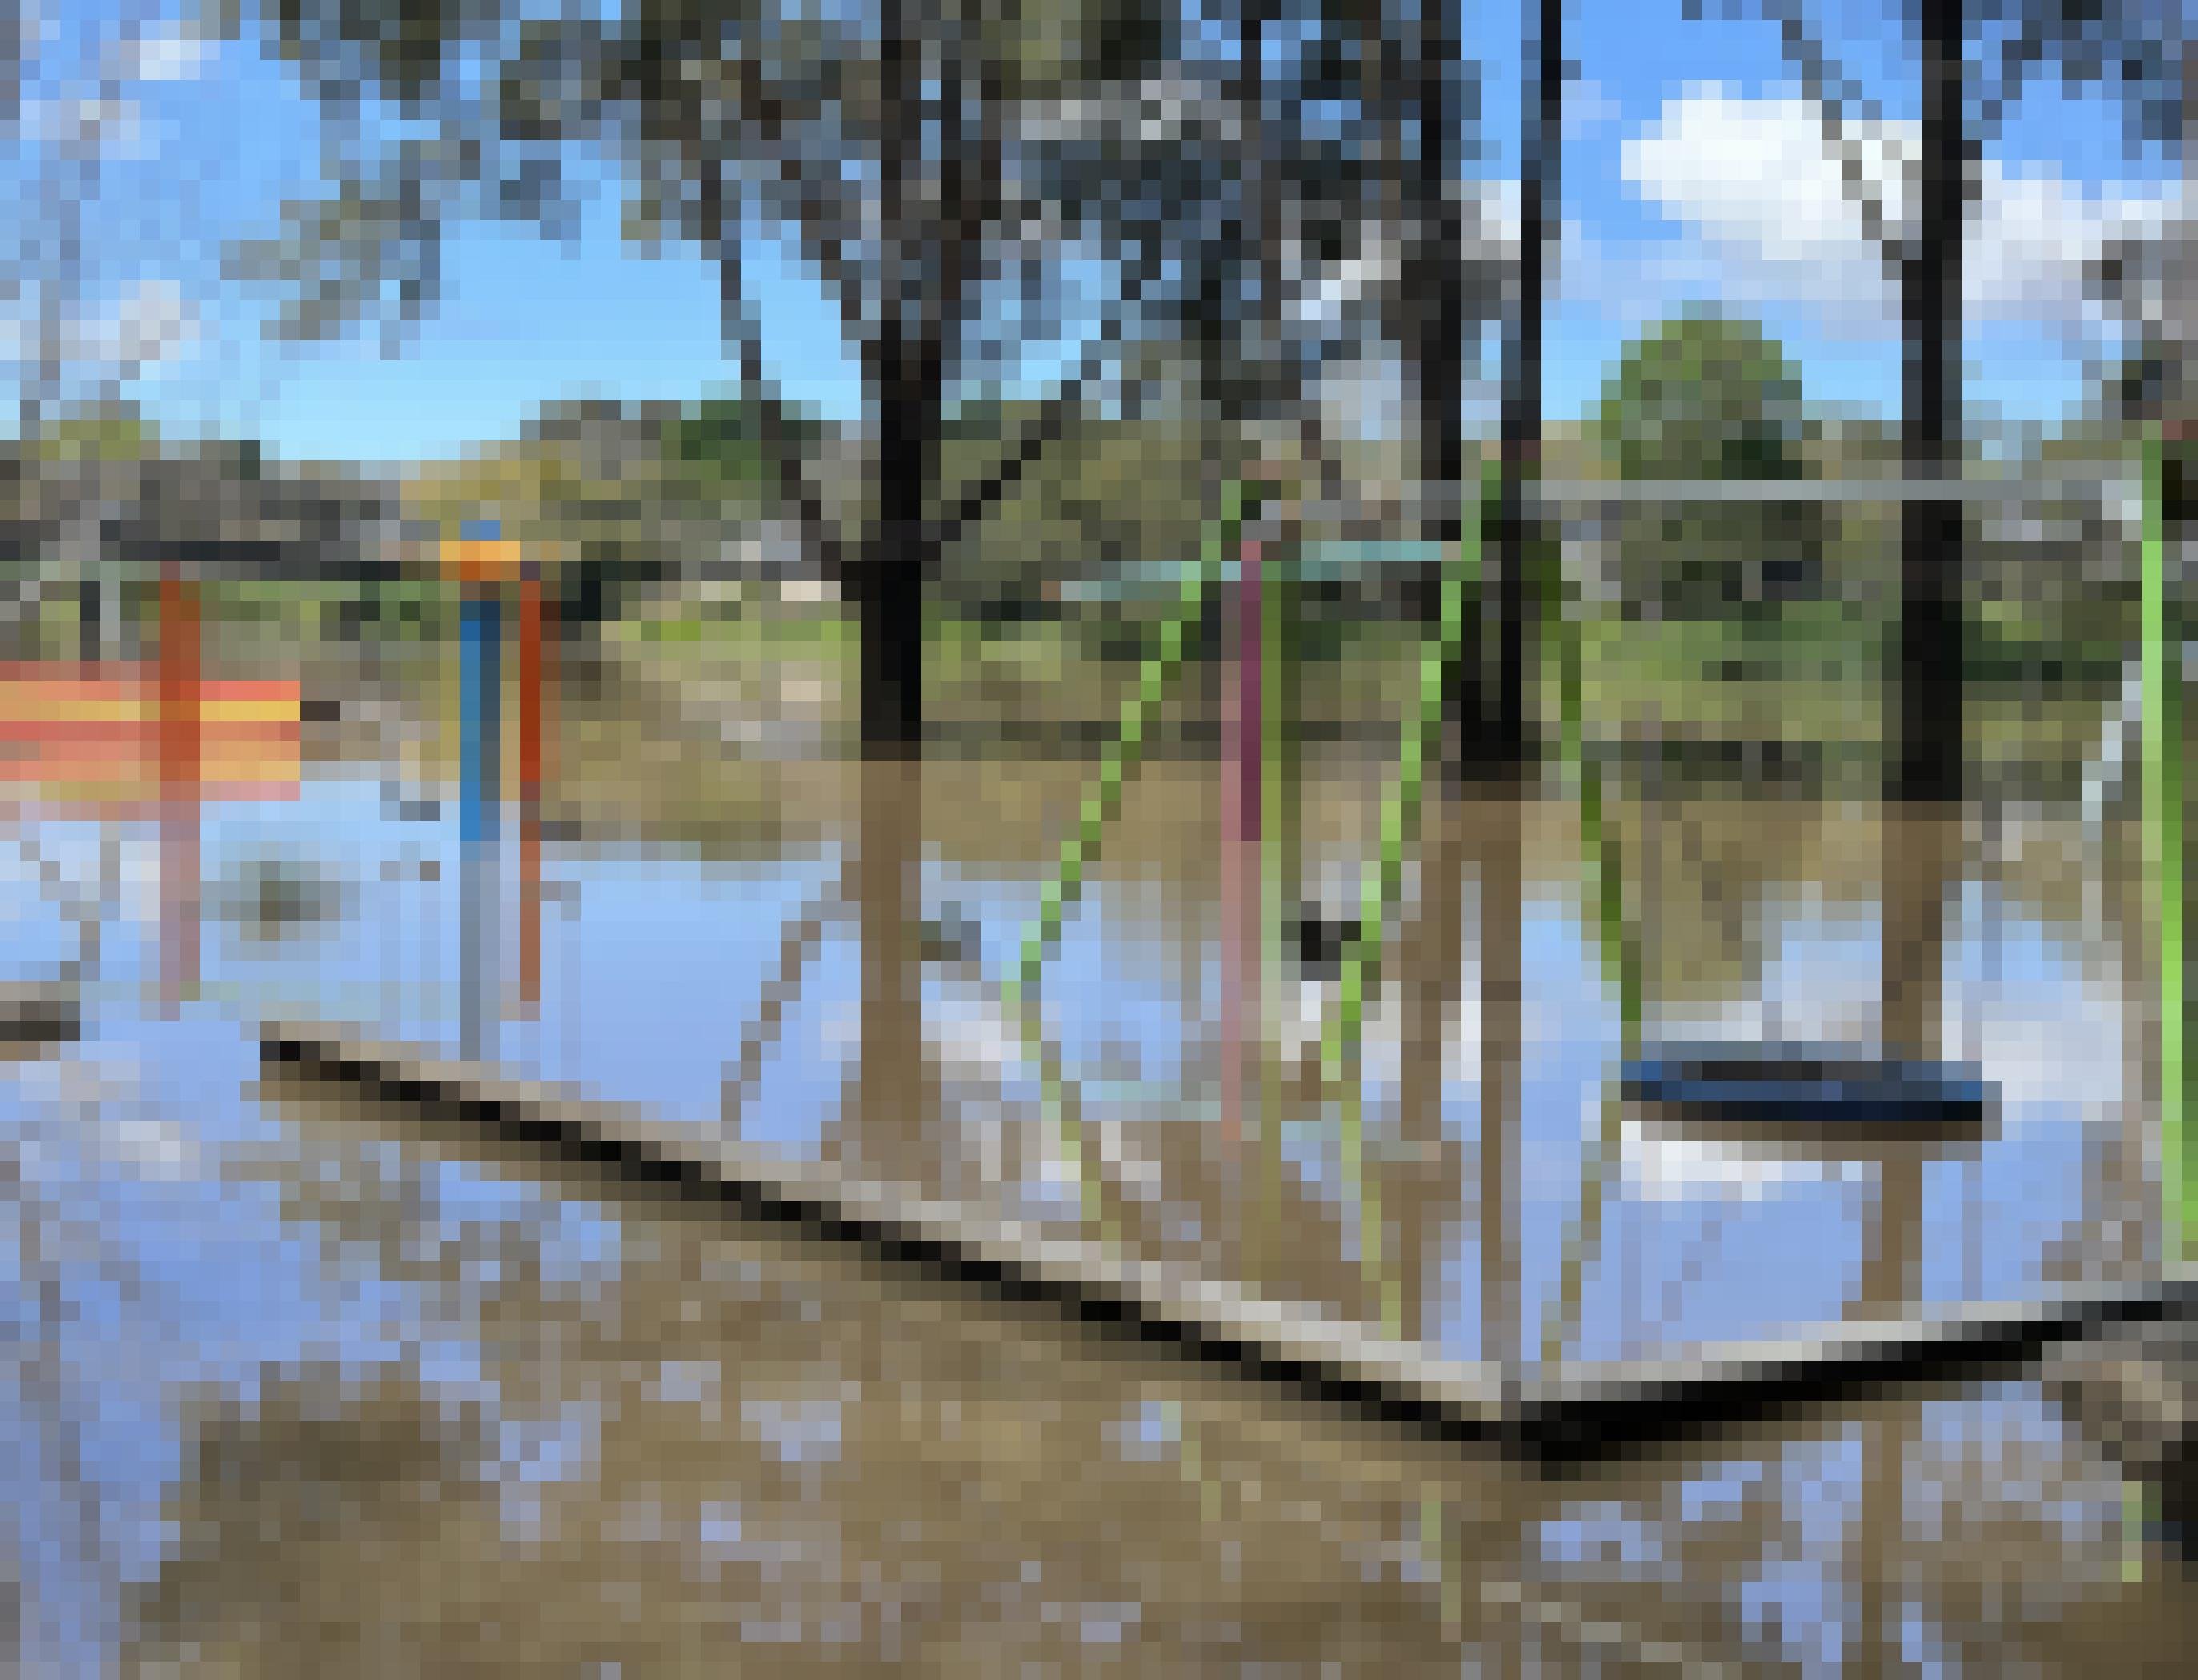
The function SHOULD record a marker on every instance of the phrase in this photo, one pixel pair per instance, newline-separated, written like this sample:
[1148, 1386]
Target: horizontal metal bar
[1570, 1412]
[1588, 492]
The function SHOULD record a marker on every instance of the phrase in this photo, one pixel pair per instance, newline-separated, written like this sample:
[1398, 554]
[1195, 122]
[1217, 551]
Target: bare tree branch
[1827, 87]
[740, 328]
[979, 496]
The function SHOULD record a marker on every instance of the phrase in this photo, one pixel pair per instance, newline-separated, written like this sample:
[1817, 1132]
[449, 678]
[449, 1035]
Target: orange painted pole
[531, 696]
[179, 776]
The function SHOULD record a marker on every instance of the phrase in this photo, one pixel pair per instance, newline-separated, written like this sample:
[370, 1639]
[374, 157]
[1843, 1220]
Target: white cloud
[1584, 269]
[150, 324]
[1492, 212]
[166, 52]
[1751, 179]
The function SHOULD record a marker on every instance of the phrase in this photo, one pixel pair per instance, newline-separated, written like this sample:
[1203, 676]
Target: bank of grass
[1813, 677]
[776, 635]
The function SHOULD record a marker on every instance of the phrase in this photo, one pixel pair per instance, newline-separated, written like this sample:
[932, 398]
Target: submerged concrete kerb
[1574, 1414]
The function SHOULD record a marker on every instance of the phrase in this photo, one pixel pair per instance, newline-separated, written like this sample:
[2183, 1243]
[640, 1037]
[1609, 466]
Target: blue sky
[528, 321]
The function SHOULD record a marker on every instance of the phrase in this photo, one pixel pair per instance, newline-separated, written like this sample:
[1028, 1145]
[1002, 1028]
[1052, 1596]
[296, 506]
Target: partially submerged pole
[180, 779]
[1433, 94]
[481, 560]
[1501, 746]
[1923, 782]
[531, 698]
[1239, 817]
[1281, 793]
[2162, 796]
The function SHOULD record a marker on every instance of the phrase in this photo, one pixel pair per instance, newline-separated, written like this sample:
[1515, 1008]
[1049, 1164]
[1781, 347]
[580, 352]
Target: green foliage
[720, 447]
[679, 88]
[1703, 395]
[97, 432]
[1109, 494]
[1706, 397]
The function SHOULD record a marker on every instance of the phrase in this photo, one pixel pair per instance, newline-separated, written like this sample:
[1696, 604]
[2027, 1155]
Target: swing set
[1259, 840]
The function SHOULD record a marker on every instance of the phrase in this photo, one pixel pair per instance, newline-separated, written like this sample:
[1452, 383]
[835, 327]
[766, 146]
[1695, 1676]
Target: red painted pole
[180, 769]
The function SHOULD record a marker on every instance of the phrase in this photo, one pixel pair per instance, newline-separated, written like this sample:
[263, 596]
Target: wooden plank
[1566, 1415]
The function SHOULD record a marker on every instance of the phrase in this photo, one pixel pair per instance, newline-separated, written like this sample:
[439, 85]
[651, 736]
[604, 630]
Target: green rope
[2163, 847]
[1380, 887]
[1080, 850]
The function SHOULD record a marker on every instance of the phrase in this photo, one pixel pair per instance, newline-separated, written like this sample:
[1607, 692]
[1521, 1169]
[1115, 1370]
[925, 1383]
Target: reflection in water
[655, 968]
[662, 1439]
[402, 1410]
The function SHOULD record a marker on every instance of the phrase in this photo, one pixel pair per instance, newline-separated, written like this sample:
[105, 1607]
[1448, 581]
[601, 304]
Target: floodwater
[301, 1389]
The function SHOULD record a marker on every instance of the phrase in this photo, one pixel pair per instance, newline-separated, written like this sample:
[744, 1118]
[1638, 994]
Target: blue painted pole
[481, 698]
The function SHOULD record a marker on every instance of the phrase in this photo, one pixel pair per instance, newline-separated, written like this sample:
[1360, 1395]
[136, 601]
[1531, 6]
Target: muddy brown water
[302, 1388]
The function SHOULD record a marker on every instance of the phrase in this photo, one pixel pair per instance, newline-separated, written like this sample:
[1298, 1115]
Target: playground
[1244, 1036]
[1327, 939]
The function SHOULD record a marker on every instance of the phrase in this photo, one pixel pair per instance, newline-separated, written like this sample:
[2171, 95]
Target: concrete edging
[1575, 1414]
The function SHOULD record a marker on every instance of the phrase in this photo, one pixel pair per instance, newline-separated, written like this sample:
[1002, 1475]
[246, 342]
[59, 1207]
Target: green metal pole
[2163, 846]
[1383, 878]
[1619, 945]
[1080, 851]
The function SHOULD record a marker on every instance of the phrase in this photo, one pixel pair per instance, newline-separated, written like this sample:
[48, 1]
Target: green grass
[1813, 676]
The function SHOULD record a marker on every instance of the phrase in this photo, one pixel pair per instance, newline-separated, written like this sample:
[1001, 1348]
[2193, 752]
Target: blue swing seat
[1816, 1088]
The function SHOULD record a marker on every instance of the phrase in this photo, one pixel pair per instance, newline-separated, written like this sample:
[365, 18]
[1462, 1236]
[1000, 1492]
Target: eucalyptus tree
[872, 136]
[2133, 46]
[1710, 396]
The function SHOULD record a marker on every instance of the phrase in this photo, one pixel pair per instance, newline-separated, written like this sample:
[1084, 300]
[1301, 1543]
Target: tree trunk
[1925, 762]
[1433, 958]
[1502, 1049]
[1434, 285]
[905, 368]
[1503, 747]
[1926, 709]
[903, 372]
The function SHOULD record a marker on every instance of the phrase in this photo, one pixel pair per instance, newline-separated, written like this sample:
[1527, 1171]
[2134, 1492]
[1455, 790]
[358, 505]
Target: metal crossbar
[1591, 492]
